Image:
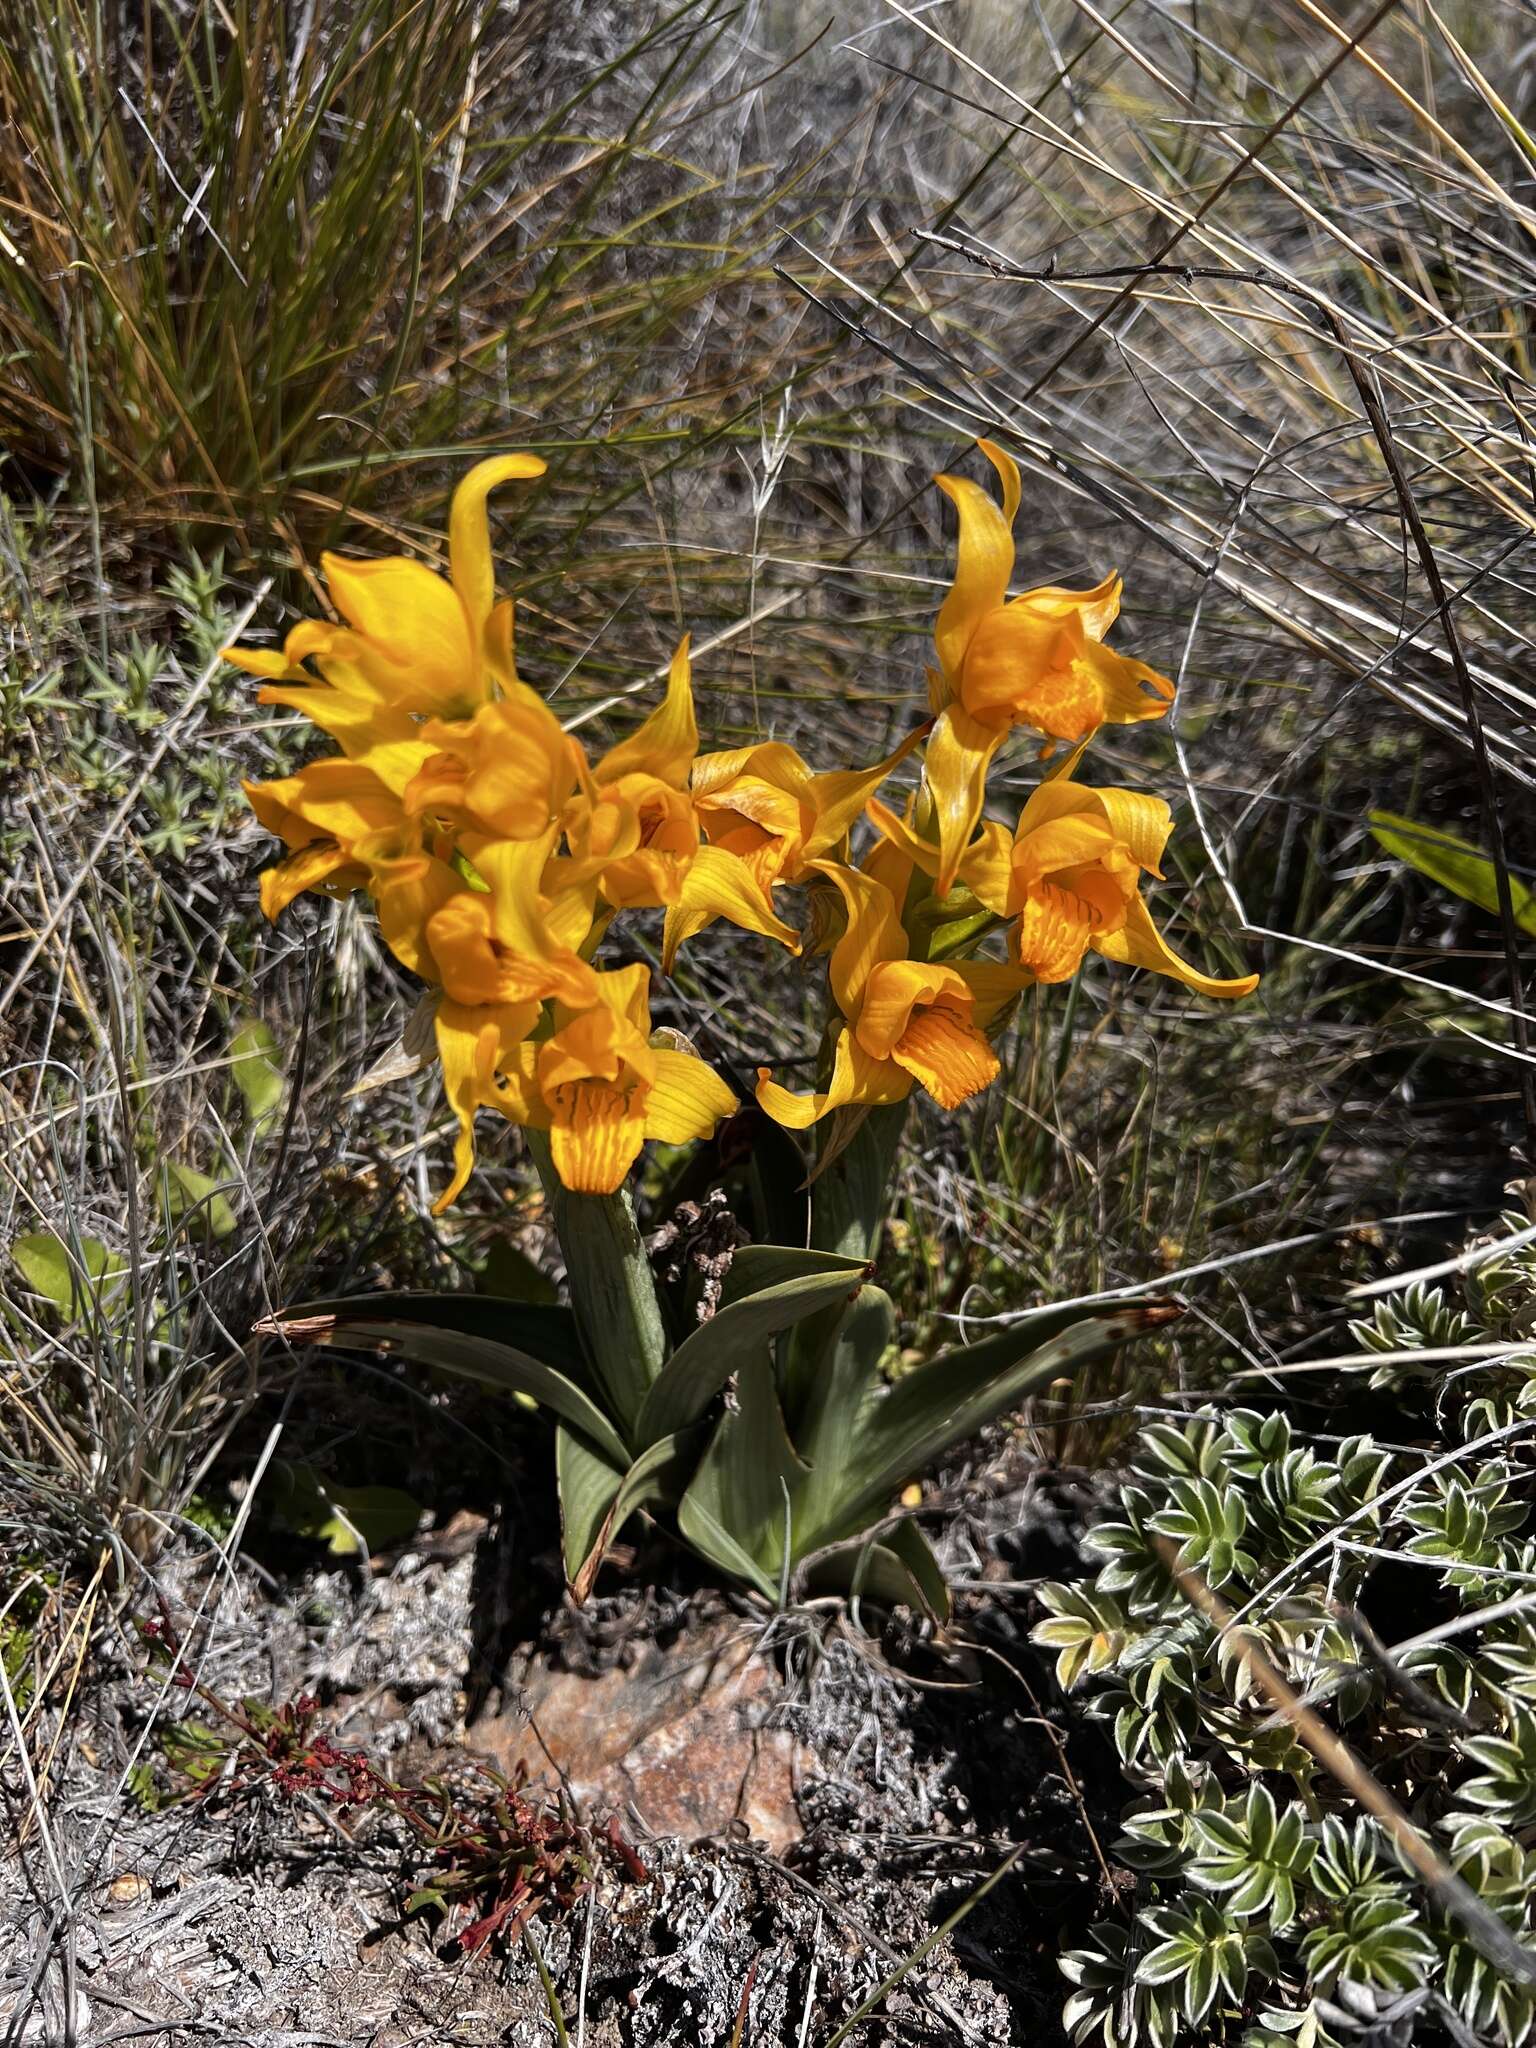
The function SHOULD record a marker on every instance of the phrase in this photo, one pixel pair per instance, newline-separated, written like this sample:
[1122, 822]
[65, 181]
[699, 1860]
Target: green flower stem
[613, 1295]
[850, 1201]
[849, 1205]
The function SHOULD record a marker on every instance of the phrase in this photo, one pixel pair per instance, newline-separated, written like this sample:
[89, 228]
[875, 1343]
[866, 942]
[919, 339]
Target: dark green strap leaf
[736, 1335]
[605, 1499]
[783, 1201]
[942, 1403]
[475, 1358]
[541, 1329]
[735, 1511]
[759, 1266]
[850, 1198]
[851, 1195]
[589, 1483]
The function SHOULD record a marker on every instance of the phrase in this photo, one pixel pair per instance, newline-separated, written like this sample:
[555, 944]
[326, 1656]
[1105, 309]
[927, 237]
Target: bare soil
[812, 1796]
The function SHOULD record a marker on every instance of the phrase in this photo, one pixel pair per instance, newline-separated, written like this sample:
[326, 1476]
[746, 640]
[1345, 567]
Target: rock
[681, 1736]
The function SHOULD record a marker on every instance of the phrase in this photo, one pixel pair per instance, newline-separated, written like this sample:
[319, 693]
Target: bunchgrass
[260, 264]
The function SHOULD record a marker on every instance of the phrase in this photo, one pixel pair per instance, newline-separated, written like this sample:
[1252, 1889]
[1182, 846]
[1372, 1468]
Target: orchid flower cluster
[497, 854]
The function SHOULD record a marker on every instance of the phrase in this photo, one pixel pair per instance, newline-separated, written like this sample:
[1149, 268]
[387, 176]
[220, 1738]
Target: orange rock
[679, 1735]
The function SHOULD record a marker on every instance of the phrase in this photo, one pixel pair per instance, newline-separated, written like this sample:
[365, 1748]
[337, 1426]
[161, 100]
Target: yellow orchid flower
[412, 641]
[320, 814]
[633, 825]
[510, 770]
[634, 828]
[763, 807]
[506, 941]
[902, 1021]
[596, 1083]
[1070, 877]
[1036, 660]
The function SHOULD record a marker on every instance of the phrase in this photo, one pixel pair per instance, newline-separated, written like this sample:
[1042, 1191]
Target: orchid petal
[855, 1078]
[415, 619]
[947, 1055]
[471, 1042]
[1095, 610]
[841, 794]
[1007, 475]
[598, 1138]
[894, 990]
[371, 735]
[1128, 690]
[717, 884]
[469, 538]
[322, 866]
[687, 1099]
[1141, 824]
[1054, 930]
[874, 934]
[960, 751]
[1140, 944]
[666, 744]
[984, 560]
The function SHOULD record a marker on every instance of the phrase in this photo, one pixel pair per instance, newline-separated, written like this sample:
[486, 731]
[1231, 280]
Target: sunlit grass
[459, 229]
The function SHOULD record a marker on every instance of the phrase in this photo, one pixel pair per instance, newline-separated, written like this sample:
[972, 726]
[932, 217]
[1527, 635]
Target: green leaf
[198, 1199]
[347, 1519]
[1454, 863]
[508, 1274]
[544, 1332]
[142, 1789]
[768, 1288]
[847, 1389]
[68, 1275]
[778, 1176]
[913, 1552]
[588, 1484]
[757, 1267]
[257, 1070]
[849, 1200]
[734, 1511]
[942, 1403]
[601, 1499]
[895, 1569]
[475, 1358]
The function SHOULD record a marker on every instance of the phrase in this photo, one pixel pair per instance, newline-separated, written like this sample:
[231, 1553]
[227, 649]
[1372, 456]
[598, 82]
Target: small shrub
[1267, 1908]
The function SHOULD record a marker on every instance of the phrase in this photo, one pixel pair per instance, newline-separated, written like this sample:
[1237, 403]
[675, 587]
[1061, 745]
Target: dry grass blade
[909, 1963]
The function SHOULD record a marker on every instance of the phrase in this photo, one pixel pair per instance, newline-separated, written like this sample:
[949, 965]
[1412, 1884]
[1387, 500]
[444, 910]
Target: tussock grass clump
[257, 261]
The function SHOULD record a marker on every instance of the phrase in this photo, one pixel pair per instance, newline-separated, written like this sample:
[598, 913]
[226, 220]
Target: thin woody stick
[1486, 1929]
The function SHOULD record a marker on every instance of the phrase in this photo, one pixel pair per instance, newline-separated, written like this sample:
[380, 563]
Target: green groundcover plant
[1266, 1908]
